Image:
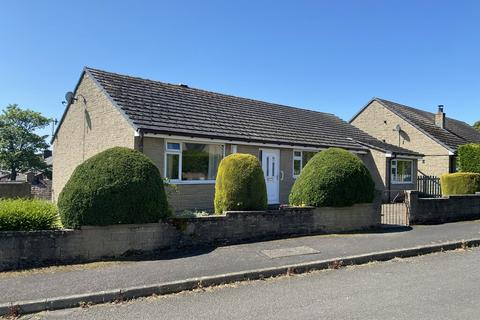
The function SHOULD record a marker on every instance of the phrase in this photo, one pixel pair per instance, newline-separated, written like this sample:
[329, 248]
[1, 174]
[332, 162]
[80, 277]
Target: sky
[330, 56]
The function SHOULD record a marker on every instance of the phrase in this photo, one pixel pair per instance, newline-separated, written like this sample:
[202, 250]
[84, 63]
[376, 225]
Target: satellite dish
[398, 128]
[69, 97]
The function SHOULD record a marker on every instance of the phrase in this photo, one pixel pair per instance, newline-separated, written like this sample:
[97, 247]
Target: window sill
[398, 182]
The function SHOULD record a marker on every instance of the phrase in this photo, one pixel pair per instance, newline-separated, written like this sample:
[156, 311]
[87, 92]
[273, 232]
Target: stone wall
[90, 125]
[42, 190]
[15, 190]
[35, 248]
[440, 210]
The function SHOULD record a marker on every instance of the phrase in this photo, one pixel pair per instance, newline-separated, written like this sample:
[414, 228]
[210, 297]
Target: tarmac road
[436, 286]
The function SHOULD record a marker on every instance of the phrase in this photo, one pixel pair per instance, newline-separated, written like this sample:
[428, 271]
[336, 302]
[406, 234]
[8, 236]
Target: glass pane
[297, 153]
[200, 161]
[268, 165]
[215, 155]
[404, 171]
[173, 146]
[297, 167]
[173, 161]
[306, 156]
[273, 166]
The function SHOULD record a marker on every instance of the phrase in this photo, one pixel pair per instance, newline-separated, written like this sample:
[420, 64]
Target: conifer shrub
[116, 186]
[333, 178]
[240, 184]
[469, 157]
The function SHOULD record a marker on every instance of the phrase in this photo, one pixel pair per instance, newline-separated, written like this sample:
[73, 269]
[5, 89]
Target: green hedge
[460, 183]
[240, 184]
[469, 157]
[28, 214]
[116, 186]
[334, 177]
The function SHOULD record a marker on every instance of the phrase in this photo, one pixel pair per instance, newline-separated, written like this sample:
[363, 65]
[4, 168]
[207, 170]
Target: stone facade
[27, 249]
[91, 125]
[379, 122]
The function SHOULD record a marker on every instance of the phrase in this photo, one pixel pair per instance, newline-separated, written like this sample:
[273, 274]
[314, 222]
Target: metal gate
[395, 212]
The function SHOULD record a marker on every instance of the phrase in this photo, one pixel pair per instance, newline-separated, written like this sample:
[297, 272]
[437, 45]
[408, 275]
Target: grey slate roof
[157, 107]
[455, 133]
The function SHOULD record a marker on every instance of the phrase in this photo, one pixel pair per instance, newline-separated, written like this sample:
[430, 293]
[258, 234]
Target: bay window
[300, 159]
[192, 161]
[402, 171]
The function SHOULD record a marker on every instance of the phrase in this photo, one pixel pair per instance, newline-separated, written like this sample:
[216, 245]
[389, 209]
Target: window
[300, 159]
[402, 171]
[192, 161]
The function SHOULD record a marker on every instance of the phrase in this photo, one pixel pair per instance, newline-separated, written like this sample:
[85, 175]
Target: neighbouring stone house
[187, 131]
[434, 135]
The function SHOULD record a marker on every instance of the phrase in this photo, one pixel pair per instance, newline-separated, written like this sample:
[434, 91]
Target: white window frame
[296, 158]
[300, 158]
[179, 152]
[392, 166]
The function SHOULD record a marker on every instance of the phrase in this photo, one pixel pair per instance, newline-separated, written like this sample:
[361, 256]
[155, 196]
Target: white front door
[271, 171]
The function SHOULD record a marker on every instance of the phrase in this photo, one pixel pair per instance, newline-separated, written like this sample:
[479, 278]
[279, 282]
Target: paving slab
[66, 281]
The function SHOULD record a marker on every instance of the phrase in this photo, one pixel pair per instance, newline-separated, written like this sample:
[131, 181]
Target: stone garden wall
[446, 209]
[26, 249]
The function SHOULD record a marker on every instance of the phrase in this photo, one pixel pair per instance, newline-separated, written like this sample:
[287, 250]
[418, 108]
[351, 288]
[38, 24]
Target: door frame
[277, 154]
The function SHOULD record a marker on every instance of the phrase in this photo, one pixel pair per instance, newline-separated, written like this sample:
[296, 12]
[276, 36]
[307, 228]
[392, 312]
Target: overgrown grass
[28, 214]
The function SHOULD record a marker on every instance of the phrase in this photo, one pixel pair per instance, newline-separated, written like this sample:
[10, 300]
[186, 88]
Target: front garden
[115, 203]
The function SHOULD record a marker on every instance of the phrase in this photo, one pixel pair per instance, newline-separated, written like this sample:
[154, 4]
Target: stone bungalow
[187, 131]
[432, 134]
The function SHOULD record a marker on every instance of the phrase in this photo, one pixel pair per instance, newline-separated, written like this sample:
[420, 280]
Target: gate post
[411, 201]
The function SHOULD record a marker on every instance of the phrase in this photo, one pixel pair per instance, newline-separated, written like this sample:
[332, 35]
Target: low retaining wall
[15, 190]
[446, 209]
[26, 249]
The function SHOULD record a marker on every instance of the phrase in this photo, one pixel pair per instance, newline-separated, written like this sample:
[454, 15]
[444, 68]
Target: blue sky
[331, 56]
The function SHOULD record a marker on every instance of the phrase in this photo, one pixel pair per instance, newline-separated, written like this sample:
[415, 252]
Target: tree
[19, 144]
[476, 125]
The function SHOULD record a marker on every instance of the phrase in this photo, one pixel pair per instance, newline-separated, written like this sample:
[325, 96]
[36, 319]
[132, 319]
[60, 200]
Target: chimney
[440, 117]
[47, 153]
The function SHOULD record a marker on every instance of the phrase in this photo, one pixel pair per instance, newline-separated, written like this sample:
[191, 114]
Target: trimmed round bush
[118, 185]
[27, 215]
[240, 184]
[333, 178]
[460, 183]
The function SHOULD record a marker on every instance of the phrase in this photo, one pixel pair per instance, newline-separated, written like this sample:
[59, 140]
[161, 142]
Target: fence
[429, 186]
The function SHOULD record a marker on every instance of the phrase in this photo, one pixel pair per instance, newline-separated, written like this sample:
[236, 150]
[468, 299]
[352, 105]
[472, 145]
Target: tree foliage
[19, 144]
[476, 125]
